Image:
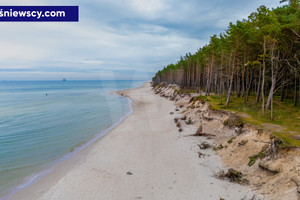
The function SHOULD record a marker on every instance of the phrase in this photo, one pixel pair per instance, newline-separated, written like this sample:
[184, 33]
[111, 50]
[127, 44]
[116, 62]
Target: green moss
[231, 140]
[215, 148]
[253, 159]
[245, 181]
[218, 147]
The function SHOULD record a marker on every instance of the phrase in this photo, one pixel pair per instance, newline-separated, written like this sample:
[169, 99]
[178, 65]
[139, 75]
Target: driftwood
[176, 120]
[204, 145]
[183, 118]
[189, 121]
[200, 133]
[238, 130]
[203, 135]
[201, 155]
[243, 142]
[233, 176]
[273, 148]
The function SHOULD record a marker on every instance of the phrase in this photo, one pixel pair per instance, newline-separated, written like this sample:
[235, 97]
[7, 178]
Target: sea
[43, 123]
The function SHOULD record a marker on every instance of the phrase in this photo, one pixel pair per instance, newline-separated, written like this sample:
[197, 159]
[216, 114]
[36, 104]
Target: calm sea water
[40, 122]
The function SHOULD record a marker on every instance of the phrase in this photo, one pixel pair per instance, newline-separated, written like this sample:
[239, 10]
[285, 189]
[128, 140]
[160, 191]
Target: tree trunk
[211, 74]
[282, 93]
[244, 94]
[243, 76]
[272, 117]
[207, 82]
[231, 82]
[274, 80]
[221, 77]
[238, 81]
[295, 92]
[263, 78]
[258, 85]
[249, 86]
[221, 89]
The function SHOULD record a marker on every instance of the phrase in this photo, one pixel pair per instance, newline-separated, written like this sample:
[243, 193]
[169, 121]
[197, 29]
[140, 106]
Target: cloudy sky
[114, 39]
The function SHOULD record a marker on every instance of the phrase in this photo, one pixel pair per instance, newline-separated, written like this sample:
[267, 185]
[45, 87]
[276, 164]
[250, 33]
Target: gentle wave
[38, 130]
[37, 176]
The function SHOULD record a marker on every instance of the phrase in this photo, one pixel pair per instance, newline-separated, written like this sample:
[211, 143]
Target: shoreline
[162, 163]
[33, 179]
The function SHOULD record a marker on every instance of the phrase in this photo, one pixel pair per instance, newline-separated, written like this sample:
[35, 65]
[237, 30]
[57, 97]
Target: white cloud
[116, 35]
[148, 8]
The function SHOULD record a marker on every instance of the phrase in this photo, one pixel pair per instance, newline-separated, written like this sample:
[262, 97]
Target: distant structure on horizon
[64, 79]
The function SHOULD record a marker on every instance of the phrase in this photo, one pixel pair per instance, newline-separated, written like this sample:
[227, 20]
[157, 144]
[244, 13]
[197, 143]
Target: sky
[114, 39]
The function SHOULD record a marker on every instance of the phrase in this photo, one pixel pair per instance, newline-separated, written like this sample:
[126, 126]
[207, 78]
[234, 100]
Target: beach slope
[145, 157]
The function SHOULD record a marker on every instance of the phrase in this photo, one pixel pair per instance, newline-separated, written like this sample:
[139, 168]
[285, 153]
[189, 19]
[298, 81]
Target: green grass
[185, 91]
[285, 115]
[253, 159]
[201, 98]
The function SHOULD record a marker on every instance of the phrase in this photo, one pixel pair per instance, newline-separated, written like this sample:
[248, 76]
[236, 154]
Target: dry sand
[164, 165]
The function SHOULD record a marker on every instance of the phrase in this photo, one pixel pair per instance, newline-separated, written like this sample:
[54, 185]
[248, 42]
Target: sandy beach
[144, 157]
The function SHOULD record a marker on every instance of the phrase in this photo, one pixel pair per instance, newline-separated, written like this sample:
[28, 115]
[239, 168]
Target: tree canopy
[259, 55]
